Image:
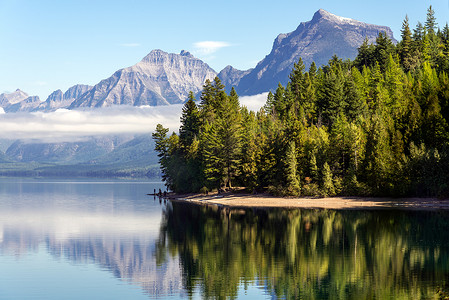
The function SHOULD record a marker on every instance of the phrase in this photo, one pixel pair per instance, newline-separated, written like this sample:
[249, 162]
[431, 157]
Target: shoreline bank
[266, 201]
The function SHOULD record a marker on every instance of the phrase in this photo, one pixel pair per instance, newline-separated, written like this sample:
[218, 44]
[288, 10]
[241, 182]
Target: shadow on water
[309, 254]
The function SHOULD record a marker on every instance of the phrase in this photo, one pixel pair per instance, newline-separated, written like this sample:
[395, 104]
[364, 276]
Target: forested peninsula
[373, 126]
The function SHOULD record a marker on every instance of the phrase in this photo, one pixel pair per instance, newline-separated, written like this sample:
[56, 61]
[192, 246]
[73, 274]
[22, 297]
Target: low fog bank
[255, 102]
[68, 125]
[73, 125]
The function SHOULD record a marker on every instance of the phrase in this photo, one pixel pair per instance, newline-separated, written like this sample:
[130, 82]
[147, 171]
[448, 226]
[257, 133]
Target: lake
[84, 239]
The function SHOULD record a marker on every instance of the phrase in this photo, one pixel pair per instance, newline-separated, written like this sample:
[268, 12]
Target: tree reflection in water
[310, 254]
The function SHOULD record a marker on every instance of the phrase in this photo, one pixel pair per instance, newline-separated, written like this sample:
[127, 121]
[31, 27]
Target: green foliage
[328, 188]
[431, 23]
[190, 123]
[405, 46]
[365, 55]
[347, 128]
[291, 177]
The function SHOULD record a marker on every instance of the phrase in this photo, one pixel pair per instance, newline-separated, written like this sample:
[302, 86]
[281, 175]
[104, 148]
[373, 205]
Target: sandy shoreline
[263, 200]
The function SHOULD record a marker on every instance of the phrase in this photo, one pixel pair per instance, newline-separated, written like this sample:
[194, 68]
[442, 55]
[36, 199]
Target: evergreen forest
[376, 125]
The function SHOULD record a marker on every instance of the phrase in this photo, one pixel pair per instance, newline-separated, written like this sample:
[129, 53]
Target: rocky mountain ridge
[57, 99]
[316, 40]
[11, 102]
[162, 78]
[19, 101]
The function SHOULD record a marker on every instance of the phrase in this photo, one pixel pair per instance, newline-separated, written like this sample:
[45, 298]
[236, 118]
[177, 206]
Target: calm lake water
[75, 239]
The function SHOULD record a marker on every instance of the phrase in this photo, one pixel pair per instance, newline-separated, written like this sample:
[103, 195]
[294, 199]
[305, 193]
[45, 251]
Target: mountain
[63, 153]
[160, 78]
[138, 150]
[15, 98]
[28, 104]
[7, 99]
[58, 100]
[231, 76]
[316, 40]
[4, 158]
[107, 156]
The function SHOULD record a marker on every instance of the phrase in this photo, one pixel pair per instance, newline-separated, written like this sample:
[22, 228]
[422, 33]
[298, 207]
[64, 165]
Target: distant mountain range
[19, 101]
[59, 100]
[107, 156]
[162, 78]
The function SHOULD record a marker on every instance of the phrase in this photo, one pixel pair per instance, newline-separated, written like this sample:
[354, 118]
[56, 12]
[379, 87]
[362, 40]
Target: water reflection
[310, 254]
[178, 249]
[112, 226]
[124, 246]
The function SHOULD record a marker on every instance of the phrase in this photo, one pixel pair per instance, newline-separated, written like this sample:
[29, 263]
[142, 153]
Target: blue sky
[46, 45]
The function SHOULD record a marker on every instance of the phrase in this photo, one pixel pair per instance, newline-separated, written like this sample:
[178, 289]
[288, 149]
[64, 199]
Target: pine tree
[251, 151]
[190, 169]
[328, 188]
[312, 71]
[340, 144]
[290, 164]
[434, 125]
[382, 50]
[431, 38]
[161, 147]
[269, 105]
[331, 99]
[365, 56]
[221, 142]
[443, 58]
[313, 167]
[211, 99]
[190, 122]
[445, 37]
[212, 152]
[418, 34]
[230, 131]
[378, 158]
[280, 105]
[309, 102]
[356, 103]
[405, 45]
[234, 99]
[170, 158]
[393, 84]
[207, 102]
[297, 81]
[431, 23]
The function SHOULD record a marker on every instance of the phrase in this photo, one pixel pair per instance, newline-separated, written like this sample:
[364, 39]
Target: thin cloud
[68, 125]
[209, 47]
